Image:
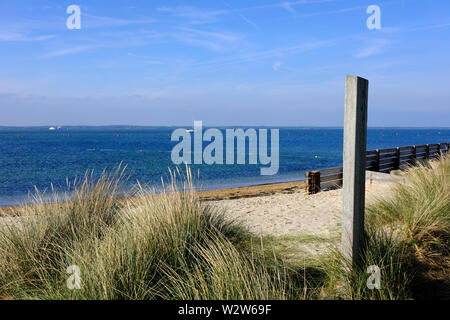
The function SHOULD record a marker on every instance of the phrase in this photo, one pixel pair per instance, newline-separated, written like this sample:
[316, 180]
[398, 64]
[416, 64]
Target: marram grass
[158, 246]
[407, 237]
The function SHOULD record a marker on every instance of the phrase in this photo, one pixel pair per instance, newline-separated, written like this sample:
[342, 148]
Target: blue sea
[38, 157]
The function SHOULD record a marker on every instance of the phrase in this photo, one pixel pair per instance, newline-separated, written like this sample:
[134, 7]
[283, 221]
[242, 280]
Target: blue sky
[223, 62]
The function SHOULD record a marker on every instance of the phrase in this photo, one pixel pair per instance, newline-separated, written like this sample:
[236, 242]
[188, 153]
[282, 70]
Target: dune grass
[407, 237]
[418, 216]
[158, 246]
[171, 245]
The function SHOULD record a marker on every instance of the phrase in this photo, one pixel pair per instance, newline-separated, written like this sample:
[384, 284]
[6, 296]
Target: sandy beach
[288, 213]
[277, 209]
[305, 225]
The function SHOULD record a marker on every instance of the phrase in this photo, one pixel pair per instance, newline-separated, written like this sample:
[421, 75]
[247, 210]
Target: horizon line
[213, 126]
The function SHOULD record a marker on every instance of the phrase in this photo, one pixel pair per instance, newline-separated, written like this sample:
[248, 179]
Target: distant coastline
[188, 125]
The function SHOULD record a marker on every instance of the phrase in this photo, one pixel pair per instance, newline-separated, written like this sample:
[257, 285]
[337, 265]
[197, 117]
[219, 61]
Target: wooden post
[427, 152]
[414, 155]
[355, 133]
[313, 182]
[397, 159]
[377, 164]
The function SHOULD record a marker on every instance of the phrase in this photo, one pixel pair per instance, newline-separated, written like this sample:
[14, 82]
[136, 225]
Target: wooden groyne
[379, 160]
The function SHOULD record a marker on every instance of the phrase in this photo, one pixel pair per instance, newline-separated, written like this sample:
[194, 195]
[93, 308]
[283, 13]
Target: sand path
[294, 213]
[305, 224]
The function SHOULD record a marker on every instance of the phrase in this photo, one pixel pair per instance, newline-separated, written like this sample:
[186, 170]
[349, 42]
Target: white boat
[52, 128]
[189, 130]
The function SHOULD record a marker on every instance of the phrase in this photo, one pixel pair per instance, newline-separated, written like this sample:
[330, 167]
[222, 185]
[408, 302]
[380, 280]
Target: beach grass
[153, 246]
[172, 245]
[407, 237]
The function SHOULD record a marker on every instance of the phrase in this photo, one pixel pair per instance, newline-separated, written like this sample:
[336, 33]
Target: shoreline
[251, 191]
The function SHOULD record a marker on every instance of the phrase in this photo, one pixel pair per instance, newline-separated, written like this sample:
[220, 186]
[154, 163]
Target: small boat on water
[52, 128]
[189, 130]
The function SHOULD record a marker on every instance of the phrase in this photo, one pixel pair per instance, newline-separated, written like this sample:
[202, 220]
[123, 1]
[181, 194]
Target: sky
[267, 63]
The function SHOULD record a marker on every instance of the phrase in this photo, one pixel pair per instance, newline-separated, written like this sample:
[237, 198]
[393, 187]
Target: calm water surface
[38, 157]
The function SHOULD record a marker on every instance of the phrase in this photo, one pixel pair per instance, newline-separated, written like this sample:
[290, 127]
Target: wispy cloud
[200, 15]
[250, 22]
[69, 51]
[195, 15]
[209, 39]
[330, 12]
[13, 36]
[288, 7]
[402, 29]
[430, 27]
[375, 47]
[243, 17]
[270, 54]
[94, 21]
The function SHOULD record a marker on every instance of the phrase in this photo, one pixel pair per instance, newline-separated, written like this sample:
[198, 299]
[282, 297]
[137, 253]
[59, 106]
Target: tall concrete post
[354, 154]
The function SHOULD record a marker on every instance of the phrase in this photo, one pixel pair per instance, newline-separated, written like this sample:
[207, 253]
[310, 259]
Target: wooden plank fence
[380, 160]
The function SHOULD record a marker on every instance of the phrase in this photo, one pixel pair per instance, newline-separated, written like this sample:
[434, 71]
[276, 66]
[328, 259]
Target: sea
[36, 158]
